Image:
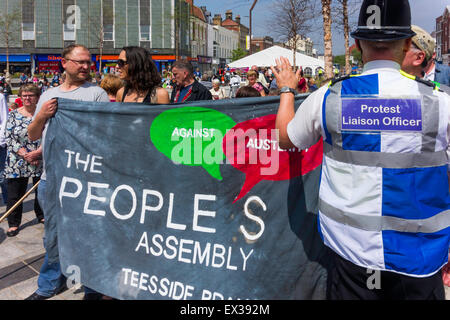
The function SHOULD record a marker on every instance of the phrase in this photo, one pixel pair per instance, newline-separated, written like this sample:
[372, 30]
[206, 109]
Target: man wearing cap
[420, 56]
[384, 197]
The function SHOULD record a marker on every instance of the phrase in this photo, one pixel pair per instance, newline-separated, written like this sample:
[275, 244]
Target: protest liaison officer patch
[381, 114]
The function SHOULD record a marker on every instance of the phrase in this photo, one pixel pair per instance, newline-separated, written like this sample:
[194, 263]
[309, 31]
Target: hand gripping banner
[188, 201]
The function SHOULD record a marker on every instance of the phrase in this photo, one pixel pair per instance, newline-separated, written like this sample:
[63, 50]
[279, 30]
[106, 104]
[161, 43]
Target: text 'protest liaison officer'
[384, 195]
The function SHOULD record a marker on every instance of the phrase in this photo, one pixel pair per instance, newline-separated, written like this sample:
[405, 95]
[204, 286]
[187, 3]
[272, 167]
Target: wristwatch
[288, 89]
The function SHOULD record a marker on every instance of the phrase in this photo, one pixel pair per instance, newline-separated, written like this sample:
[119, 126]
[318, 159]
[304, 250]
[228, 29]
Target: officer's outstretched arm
[286, 112]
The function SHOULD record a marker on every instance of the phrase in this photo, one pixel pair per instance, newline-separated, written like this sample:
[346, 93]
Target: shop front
[204, 63]
[47, 63]
[163, 61]
[109, 63]
[18, 63]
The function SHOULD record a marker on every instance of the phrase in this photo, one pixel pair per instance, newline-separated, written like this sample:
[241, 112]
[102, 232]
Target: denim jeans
[50, 277]
[3, 152]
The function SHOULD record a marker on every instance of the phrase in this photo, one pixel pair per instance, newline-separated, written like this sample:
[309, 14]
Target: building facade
[443, 37]
[44, 27]
[199, 39]
[224, 42]
[234, 25]
[261, 43]
[303, 45]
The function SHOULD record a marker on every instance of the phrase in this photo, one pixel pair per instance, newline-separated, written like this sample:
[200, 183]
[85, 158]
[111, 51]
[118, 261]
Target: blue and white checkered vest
[384, 193]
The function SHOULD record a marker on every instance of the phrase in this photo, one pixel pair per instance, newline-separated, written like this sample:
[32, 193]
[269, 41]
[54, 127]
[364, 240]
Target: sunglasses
[121, 63]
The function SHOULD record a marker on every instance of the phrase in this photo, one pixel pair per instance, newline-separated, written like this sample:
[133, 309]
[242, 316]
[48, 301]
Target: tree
[344, 12]
[327, 38]
[357, 55]
[97, 25]
[238, 53]
[295, 22]
[340, 60]
[9, 27]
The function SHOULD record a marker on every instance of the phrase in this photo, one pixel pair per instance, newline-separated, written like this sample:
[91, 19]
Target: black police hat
[384, 20]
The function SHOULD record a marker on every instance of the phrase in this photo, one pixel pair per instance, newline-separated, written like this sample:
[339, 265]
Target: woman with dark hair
[142, 79]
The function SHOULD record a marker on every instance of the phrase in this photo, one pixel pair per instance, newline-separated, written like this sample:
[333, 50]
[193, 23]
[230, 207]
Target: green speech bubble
[192, 136]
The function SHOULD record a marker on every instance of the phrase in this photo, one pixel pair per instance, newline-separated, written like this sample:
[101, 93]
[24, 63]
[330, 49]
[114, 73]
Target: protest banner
[189, 201]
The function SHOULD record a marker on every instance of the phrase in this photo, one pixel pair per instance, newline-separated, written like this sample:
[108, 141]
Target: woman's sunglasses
[121, 63]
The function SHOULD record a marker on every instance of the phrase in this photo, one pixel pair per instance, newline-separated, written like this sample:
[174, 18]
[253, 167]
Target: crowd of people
[138, 81]
[260, 78]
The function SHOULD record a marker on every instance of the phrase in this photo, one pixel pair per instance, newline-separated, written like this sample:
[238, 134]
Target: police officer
[384, 195]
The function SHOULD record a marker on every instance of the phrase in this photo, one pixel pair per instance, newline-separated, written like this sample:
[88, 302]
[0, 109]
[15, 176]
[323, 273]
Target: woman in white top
[216, 91]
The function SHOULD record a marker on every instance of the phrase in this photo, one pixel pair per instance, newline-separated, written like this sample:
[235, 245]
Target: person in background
[260, 76]
[302, 86]
[247, 92]
[7, 90]
[3, 121]
[45, 86]
[312, 85]
[274, 92]
[142, 81]
[23, 79]
[217, 91]
[252, 77]
[35, 79]
[438, 72]
[111, 84]
[97, 78]
[205, 81]
[55, 79]
[23, 159]
[197, 74]
[235, 84]
[186, 87]
[421, 56]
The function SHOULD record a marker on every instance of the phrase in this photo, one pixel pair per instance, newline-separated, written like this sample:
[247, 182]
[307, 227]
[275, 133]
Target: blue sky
[424, 14]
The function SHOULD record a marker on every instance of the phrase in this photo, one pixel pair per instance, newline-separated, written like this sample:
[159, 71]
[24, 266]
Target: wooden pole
[250, 38]
[19, 202]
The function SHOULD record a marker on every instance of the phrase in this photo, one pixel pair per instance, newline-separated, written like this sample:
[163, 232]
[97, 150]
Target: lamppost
[251, 9]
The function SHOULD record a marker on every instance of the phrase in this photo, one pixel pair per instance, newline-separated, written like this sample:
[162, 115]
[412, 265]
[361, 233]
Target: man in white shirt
[235, 83]
[76, 60]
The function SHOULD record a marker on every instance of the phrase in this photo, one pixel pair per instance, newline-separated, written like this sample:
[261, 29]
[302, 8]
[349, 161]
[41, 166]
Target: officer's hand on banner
[284, 74]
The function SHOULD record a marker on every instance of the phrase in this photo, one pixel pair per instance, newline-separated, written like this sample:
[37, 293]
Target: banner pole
[19, 202]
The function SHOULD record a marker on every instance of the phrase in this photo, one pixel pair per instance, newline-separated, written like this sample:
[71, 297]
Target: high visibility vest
[384, 194]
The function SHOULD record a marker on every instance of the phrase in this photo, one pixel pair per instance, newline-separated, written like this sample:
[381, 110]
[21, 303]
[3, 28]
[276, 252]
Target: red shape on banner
[252, 148]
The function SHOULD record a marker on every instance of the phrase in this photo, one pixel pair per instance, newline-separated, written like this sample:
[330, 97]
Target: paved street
[21, 258]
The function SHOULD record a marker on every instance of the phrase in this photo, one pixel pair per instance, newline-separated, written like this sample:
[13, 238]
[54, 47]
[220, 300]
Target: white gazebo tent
[266, 58]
